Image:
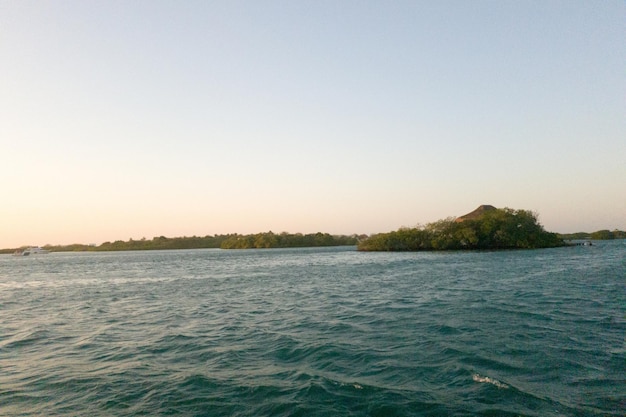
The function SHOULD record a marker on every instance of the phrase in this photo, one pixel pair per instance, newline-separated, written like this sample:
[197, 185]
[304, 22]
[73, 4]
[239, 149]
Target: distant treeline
[286, 240]
[599, 235]
[229, 241]
[495, 229]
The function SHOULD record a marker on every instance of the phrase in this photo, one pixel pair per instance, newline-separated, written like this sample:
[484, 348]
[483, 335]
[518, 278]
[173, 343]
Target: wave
[282, 334]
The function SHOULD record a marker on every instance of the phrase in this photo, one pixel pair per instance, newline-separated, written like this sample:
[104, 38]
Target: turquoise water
[315, 332]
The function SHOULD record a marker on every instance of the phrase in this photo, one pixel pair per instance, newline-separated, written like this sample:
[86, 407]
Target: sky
[138, 119]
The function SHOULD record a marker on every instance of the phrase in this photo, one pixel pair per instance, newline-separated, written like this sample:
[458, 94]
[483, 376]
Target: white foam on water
[487, 380]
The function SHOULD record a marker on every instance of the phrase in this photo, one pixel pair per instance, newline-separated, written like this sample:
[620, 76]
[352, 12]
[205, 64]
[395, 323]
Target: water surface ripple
[315, 332]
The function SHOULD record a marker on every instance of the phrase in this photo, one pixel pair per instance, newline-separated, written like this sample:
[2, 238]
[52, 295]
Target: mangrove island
[485, 228]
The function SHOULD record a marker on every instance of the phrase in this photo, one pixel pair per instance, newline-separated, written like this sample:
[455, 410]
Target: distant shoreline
[214, 242]
[230, 241]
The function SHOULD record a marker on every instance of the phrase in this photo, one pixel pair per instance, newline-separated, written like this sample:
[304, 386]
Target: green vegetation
[493, 229]
[286, 240]
[156, 243]
[230, 241]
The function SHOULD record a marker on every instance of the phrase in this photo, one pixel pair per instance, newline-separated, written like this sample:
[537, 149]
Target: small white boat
[31, 251]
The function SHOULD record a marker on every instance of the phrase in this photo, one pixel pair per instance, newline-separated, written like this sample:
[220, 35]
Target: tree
[493, 229]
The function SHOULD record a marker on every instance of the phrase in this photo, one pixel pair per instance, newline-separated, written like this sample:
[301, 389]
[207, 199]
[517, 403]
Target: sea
[315, 332]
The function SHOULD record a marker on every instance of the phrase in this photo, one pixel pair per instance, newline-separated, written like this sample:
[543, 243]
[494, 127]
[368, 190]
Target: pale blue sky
[137, 119]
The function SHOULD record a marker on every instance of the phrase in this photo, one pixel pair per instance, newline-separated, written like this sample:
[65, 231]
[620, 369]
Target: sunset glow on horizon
[139, 119]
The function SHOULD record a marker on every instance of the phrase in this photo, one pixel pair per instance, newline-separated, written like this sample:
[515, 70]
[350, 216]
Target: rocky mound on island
[487, 227]
[476, 214]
